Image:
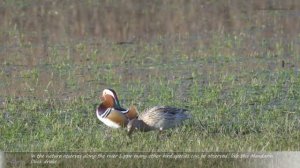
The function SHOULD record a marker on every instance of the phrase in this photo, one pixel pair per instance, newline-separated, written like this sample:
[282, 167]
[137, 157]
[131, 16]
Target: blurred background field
[234, 64]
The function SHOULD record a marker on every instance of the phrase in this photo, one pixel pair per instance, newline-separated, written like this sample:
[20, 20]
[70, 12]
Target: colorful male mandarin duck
[157, 118]
[110, 111]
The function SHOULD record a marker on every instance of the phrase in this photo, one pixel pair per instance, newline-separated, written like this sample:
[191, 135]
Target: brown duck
[158, 118]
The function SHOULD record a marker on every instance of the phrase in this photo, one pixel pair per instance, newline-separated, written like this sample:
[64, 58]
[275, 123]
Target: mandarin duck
[110, 111]
[157, 118]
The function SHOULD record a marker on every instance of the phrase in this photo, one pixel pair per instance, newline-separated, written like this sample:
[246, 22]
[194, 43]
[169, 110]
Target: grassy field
[237, 103]
[241, 87]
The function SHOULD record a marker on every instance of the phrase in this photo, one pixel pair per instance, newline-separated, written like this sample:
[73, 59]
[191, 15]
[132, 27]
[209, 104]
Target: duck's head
[110, 99]
[131, 126]
[135, 124]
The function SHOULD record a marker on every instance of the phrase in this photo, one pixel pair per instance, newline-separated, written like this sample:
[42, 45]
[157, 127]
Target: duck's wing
[173, 113]
[117, 117]
[163, 116]
[164, 111]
